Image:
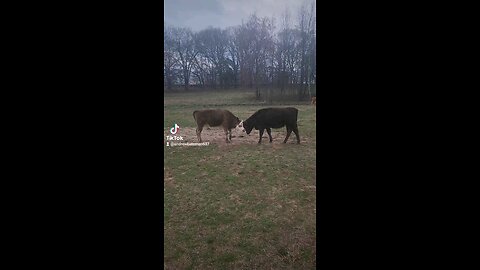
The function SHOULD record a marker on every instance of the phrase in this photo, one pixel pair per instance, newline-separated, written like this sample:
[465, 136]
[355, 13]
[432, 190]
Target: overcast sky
[199, 14]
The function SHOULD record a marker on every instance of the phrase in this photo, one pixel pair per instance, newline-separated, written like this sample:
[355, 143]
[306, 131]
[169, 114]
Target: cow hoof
[270, 141]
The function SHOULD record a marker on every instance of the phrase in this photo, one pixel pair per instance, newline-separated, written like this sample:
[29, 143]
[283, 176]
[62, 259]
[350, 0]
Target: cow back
[273, 118]
[216, 118]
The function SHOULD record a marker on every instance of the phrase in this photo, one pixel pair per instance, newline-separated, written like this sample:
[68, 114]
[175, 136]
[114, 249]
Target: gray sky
[199, 14]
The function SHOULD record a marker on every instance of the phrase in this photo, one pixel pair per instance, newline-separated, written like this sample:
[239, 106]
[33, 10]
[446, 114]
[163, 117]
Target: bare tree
[170, 59]
[283, 45]
[288, 56]
[199, 69]
[185, 51]
[212, 44]
[305, 26]
[254, 43]
[310, 55]
[232, 55]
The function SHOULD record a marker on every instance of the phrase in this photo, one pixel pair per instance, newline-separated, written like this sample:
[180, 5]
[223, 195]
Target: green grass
[210, 97]
[241, 206]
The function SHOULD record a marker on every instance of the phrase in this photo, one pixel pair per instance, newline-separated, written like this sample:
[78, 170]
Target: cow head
[245, 127]
[237, 122]
[240, 126]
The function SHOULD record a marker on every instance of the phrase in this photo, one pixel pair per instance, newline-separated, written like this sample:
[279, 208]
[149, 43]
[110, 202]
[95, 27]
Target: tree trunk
[186, 81]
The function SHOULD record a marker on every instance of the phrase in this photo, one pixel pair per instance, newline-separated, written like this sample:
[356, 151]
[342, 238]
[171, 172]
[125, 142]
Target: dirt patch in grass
[216, 135]
[168, 179]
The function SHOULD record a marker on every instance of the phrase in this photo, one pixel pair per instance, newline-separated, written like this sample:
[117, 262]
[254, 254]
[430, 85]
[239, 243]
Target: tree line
[257, 54]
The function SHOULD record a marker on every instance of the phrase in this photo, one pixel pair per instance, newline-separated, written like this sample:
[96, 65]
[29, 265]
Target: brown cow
[314, 101]
[215, 118]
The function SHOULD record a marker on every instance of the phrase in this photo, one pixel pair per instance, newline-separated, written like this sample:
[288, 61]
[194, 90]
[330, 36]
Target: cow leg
[261, 134]
[289, 131]
[269, 134]
[230, 134]
[296, 134]
[226, 135]
[199, 130]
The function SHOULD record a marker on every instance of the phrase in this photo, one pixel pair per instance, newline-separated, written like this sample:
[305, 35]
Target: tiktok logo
[175, 129]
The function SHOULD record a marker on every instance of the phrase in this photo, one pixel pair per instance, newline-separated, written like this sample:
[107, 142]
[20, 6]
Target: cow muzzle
[240, 126]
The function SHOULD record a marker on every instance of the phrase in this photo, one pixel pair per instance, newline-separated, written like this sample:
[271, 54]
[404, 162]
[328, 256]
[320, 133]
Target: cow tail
[194, 115]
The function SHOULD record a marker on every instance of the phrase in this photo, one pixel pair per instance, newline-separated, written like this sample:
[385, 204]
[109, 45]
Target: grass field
[238, 206]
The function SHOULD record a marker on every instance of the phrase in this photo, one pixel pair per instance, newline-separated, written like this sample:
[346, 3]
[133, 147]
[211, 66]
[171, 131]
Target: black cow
[272, 118]
[215, 118]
